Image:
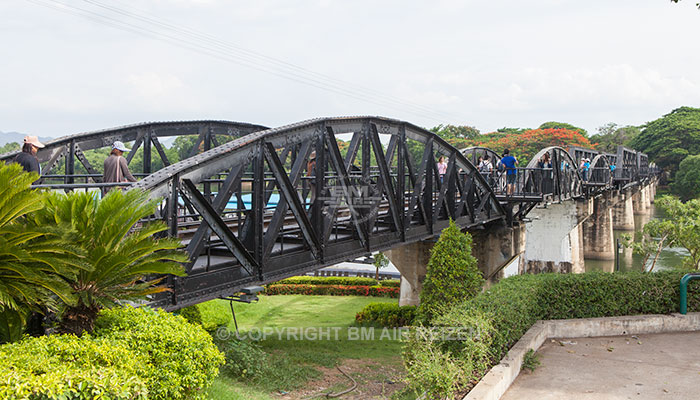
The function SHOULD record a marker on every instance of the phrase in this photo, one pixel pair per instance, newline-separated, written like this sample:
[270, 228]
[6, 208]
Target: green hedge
[338, 280]
[498, 317]
[68, 367]
[132, 354]
[386, 314]
[181, 357]
[333, 290]
[328, 280]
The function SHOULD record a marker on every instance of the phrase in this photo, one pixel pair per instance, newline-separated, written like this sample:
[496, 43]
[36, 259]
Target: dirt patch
[375, 380]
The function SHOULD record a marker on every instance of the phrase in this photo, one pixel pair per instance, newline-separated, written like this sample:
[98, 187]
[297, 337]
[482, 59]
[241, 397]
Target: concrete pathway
[654, 366]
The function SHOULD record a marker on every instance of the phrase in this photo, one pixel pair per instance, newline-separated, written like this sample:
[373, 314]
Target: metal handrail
[684, 290]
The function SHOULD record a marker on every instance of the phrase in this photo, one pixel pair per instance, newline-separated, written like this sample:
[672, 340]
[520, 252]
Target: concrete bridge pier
[495, 246]
[623, 212]
[640, 202]
[647, 197]
[555, 239]
[412, 262]
[598, 239]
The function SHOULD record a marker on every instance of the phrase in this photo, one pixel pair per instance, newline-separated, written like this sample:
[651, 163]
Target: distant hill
[8, 137]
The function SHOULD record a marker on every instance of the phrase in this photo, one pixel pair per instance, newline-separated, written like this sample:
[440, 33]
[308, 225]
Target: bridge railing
[532, 184]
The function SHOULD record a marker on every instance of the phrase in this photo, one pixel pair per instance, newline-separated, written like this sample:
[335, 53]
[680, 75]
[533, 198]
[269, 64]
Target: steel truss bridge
[250, 206]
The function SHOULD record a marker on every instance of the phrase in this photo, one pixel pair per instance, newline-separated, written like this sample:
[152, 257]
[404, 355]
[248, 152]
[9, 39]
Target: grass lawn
[310, 360]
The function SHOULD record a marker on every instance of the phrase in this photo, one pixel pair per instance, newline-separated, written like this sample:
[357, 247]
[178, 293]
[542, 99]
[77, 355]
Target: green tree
[563, 125]
[448, 132]
[380, 261]
[452, 276]
[32, 258]
[611, 135]
[680, 228]
[687, 182]
[671, 138]
[8, 147]
[121, 251]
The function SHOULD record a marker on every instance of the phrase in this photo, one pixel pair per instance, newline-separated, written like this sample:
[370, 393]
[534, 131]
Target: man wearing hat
[116, 169]
[27, 158]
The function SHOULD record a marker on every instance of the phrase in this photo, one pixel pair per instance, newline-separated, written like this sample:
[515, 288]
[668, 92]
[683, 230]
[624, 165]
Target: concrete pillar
[652, 191]
[412, 262]
[496, 246]
[639, 199]
[577, 252]
[554, 240]
[598, 240]
[623, 212]
[647, 197]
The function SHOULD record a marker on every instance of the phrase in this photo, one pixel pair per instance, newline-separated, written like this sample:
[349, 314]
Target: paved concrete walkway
[654, 366]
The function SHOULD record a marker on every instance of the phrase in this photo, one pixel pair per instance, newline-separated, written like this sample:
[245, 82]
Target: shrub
[386, 314]
[180, 358]
[214, 314]
[68, 367]
[328, 280]
[133, 354]
[444, 367]
[247, 362]
[390, 283]
[499, 316]
[452, 275]
[332, 290]
[192, 314]
[244, 360]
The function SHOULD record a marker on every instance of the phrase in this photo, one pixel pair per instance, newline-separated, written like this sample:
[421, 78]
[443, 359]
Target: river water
[668, 258]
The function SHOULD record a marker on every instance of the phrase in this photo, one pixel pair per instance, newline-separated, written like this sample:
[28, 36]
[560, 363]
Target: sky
[71, 66]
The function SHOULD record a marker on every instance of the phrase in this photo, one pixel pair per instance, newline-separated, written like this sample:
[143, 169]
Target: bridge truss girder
[270, 214]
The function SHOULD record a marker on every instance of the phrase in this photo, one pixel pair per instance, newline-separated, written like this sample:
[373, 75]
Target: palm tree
[33, 258]
[121, 251]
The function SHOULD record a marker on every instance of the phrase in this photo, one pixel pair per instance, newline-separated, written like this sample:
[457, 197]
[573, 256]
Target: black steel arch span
[473, 153]
[272, 214]
[601, 172]
[144, 135]
[565, 176]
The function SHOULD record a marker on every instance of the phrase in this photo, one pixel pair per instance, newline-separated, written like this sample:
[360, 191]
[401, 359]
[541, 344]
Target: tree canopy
[8, 147]
[522, 142]
[671, 138]
[525, 145]
[687, 182]
[563, 125]
[611, 135]
[680, 228]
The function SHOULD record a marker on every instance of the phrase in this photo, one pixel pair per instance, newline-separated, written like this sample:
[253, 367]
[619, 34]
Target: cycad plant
[34, 259]
[127, 261]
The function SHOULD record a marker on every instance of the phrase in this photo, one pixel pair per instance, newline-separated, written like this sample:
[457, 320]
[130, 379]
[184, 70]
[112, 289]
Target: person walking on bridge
[510, 162]
[27, 158]
[115, 167]
[442, 167]
[485, 168]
